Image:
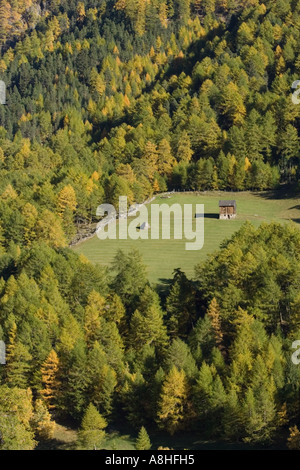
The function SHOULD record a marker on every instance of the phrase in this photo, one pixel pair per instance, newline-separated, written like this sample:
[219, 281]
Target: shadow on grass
[210, 215]
[162, 287]
[55, 444]
[190, 441]
[285, 192]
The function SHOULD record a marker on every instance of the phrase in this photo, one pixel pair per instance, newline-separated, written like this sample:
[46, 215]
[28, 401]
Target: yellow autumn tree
[213, 314]
[31, 214]
[163, 14]
[9, 193]
[155, 186]
[173, 407]
[150, 159]
[125, 170]
[42, 422]
[11, 343]
[50, 380]
[293, 441]
[67, 199]
[80, 11]
[247, 164]
[5, 24]
[166, 161]
[97, 82]
[49, 230]
[94, 310]
[232, 104]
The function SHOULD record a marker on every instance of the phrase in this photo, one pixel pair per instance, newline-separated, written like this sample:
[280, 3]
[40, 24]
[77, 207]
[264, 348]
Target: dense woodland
[131, 98]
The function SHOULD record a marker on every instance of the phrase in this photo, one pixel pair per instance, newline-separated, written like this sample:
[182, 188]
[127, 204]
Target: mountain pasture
[162, 256]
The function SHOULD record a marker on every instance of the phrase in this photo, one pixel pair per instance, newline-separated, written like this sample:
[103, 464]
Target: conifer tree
[11, 343]
[184, 151]
[42, 423]
[213, 314]
[76, 399]
[17, 361]
[93, 311]
[16, 412]
[143, 441]
[173, 407]
[67, 199]
[165, 161]
[148, 328]
[50, 380]
[91, 434]
[294, 438]
[17, 366]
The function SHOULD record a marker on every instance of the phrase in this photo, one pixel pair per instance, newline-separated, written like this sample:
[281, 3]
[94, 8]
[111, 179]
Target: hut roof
[227, 203]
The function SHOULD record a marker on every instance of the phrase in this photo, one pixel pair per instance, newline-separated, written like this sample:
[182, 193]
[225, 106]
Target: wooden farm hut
[227, 209]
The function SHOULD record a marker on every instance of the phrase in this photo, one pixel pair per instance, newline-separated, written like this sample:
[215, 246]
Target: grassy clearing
[163, 256]
[64, 439]
[117, 441]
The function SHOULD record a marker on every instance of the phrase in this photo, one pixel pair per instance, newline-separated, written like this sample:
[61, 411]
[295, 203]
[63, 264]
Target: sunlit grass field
[163, 256]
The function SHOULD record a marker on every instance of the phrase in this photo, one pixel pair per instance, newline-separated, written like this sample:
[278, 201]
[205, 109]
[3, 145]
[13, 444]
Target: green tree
[91, 434]
[42, 422]
[174, 407]
[16, 412]
[143, 441]
[130, 277]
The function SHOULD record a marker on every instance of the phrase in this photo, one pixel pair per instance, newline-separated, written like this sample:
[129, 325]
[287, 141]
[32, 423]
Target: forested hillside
[131, 98]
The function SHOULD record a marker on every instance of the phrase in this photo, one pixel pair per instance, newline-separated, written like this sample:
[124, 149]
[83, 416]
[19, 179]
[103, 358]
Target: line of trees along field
[130, 98]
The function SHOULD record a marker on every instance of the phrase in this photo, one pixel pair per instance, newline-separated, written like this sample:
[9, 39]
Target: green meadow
[163, 256]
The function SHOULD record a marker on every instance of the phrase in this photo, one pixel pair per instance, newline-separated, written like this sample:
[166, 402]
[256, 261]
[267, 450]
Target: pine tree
[42, 422]
[17, 360]
[179, 355]
[253, 421]
[11, 343]
[16, 412]
[232, 104]
[203, 390]
[5, 25]
[232, 418]
[76, 399]
[166, 161]
[91, 434]
[94, 310]
[289, 145]
[150, 159]
[143, 441]
[148, 328]
[180, 305]
[103, 380]
[49, 230]
[294, 438]
[213, 314]
[50, 380]
[67, 199]
[173, 406]
[17, 366]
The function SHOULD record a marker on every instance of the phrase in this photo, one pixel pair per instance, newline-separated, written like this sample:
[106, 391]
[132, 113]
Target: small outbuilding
[227, 209]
